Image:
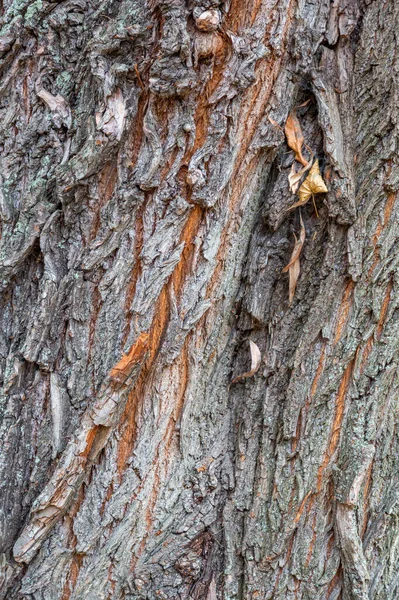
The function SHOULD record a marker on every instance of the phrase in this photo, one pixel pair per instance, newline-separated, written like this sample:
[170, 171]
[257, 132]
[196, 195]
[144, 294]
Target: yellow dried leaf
[294, 135]
[255, 362]
[295, 176]
[294, 266]
[313, 184]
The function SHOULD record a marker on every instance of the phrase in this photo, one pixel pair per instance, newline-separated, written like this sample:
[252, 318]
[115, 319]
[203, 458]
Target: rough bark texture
[143, 197]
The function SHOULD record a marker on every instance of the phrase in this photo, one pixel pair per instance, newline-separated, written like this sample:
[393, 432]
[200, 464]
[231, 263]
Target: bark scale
[144, 228]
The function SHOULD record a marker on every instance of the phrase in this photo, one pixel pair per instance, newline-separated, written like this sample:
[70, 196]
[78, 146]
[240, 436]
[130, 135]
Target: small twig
[315, 207]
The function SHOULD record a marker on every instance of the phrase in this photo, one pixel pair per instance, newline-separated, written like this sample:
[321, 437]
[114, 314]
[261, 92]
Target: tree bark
[145, 224]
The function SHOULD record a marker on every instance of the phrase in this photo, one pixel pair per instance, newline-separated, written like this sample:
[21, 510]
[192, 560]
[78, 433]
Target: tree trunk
[145, 225]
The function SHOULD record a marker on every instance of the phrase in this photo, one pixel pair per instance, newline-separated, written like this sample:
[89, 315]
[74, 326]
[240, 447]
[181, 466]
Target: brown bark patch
[91, 436]
[73, 574]
[344, 309]
[106, 184]
[128, 424]
[390, 203]
[301, 508]
[337, 423]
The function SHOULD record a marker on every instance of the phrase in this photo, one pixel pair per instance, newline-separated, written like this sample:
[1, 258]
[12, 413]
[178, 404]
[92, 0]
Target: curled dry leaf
[294, 266]
[294, 135]
[255, 362]
[295, 176]
[313, 184]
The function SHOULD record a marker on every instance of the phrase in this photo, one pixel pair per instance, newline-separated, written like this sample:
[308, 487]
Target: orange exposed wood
[183, 269]
[136, 353]
[138, 76]
[204, 110]
[344, 309]
[236, 15]
[91, 436]
[73, 574]
[254, 105]
[77, 558]
[375, 237]
[128, 419]
[242, 14]
[390, 203]
[156, 332]
[188, 235]
[256, 5]
[366, 353]
[159, 324]
[375, 262]
[302, 506]
[337, 424]
[251, 113]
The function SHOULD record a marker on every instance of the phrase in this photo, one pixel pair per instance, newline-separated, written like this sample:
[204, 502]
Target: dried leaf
[273, 122]
[294, 266]
[303, 104]
[295, 176]
[313, 184]
[255, 362]
[295, 137]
